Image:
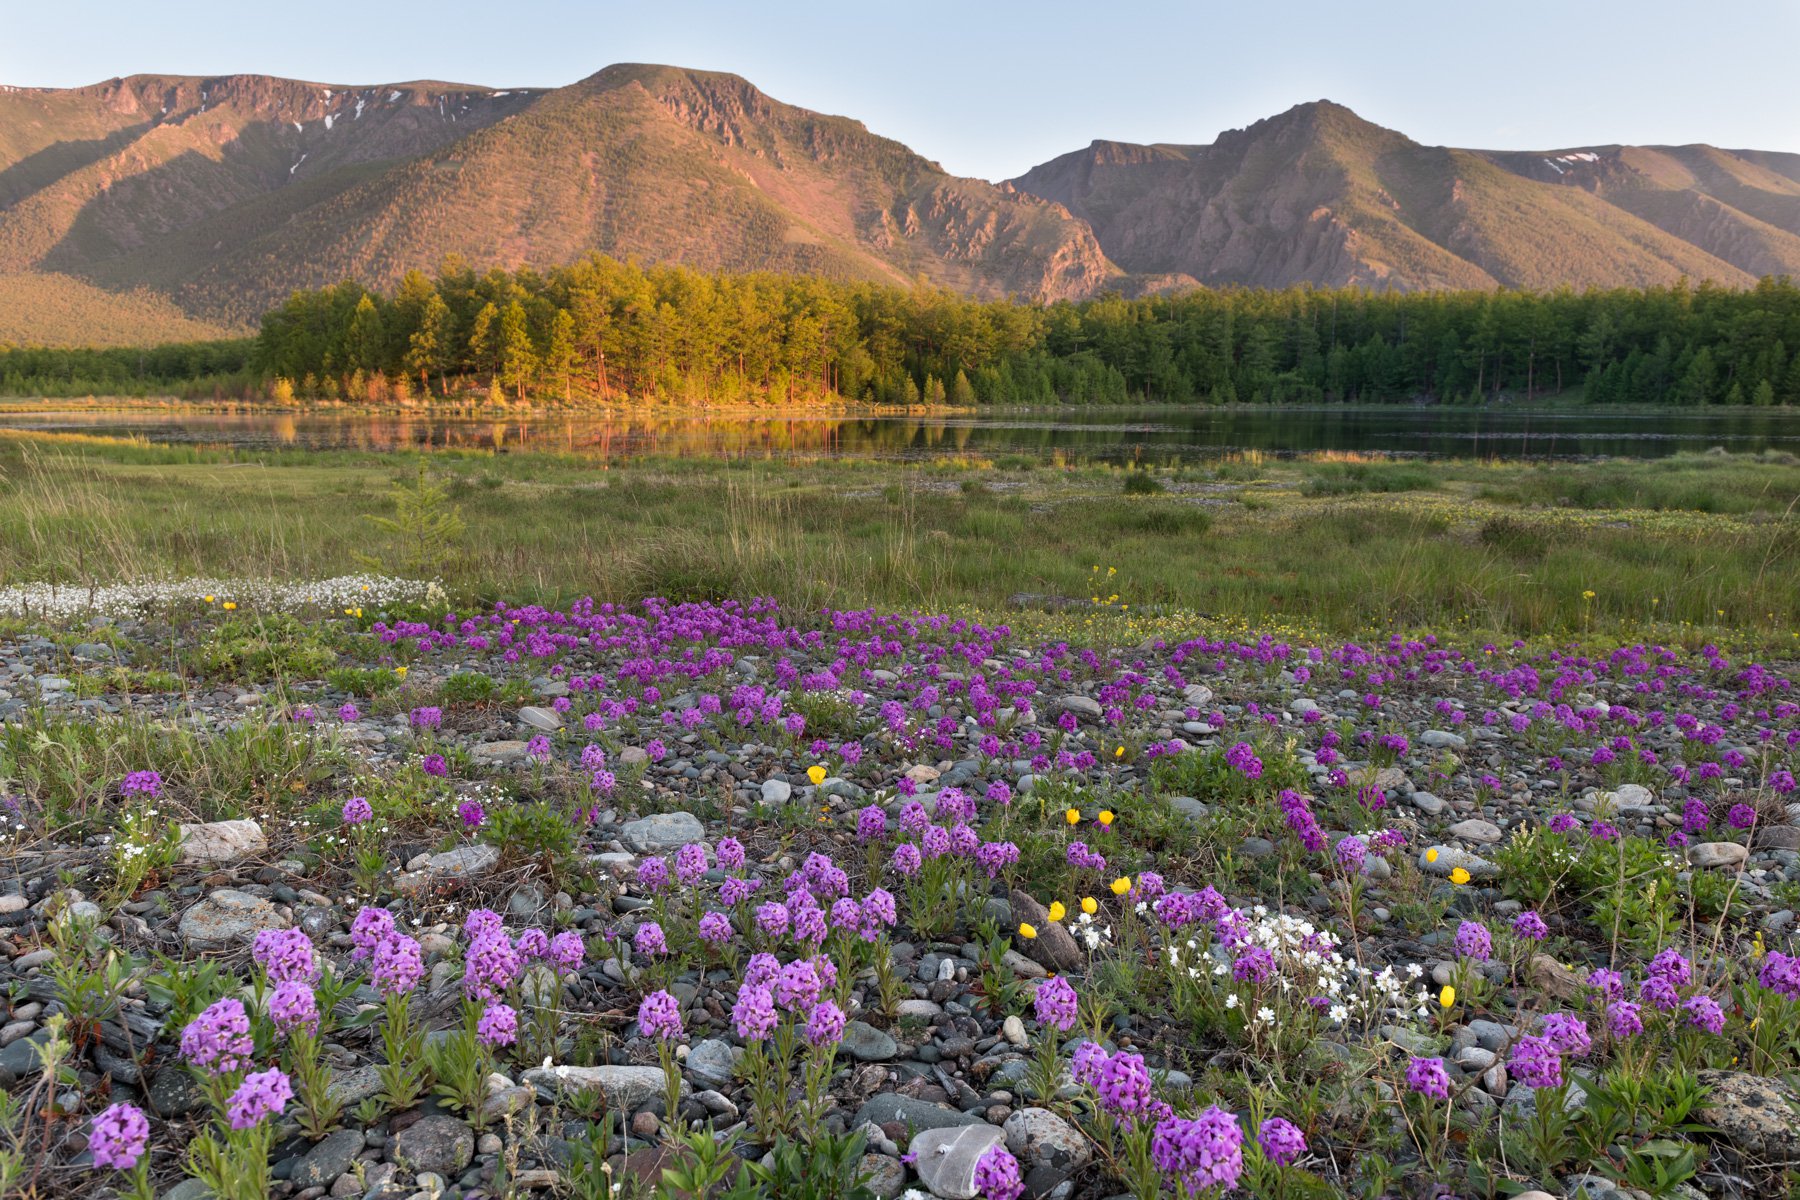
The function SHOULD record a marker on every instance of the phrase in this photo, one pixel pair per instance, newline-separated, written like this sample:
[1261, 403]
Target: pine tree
[559, 357]
[518, 357]
[961, 394]
[430, 339]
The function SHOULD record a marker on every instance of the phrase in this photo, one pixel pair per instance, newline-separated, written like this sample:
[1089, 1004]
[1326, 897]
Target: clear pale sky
[991, 88]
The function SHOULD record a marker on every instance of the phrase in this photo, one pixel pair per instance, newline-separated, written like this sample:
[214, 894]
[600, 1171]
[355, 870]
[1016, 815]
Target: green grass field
[1340, 546]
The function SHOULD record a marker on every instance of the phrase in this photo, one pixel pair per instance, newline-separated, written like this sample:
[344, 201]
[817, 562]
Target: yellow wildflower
[1027, 930]
[1057, 911]
[1121, 885]
[400, 671]
[816, 773]
[1458, 875]
[1073, 816]
[1431, 855]
[1106, 816]
[1447, 997]
[230, 604]
[209, 599]
[1089, 905]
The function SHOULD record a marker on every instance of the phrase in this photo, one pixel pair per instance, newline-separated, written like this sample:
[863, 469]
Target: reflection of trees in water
[1160, 435]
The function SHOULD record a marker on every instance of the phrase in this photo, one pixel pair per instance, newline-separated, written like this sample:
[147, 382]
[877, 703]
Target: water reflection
[1143, 434]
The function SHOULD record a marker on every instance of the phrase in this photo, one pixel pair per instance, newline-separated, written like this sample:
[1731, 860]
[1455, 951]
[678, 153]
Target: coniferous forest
[616, 332]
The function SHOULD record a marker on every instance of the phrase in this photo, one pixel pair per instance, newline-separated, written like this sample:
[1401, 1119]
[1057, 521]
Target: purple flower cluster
[259, 1097]
[1781, 974]
[1055, 1004]
[1474, 941]
[141, 783]
[1281, 1141]
[292, 1006]
[499, 1025]
[1536, 1062]
[285, 955]
[367, 931]
[997, 1175]
[218, 1040]
[825, 1024]
[119, 1136]
[358, 811]
[1568, 1033]
[753, 1016]
[1300, 820]
[1204, 1151]
[397, 965]
[1530, 926]
[1427, 1077]
[659, 1017]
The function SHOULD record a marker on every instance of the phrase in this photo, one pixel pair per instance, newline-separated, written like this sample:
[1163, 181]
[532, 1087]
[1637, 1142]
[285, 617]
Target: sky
[991, 88]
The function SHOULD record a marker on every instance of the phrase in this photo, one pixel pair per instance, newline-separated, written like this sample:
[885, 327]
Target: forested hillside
[612, 330]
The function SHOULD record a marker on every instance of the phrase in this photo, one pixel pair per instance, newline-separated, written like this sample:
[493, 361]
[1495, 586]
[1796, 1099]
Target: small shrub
[1142, 483]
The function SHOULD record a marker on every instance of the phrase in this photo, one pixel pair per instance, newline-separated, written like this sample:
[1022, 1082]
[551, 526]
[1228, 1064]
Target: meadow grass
[1710, 543]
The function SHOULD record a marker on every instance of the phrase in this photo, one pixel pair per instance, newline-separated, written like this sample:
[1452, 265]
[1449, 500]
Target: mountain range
[158, 207]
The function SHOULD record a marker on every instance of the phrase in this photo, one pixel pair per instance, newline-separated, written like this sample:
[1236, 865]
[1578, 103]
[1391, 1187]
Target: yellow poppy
[230, 604]
[1089, 905]
[209, 599]
[816, 773]
[1121, 885]
[1431, 855]
[1057, 911]
[1119, 753]
[1447, 997]
[1073, 816]
[1106, 816]
[1458, 875]
[1027, 931]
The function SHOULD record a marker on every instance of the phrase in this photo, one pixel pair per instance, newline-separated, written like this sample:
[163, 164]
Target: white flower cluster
[64, 601]
[1309, 965]
[1091, 933]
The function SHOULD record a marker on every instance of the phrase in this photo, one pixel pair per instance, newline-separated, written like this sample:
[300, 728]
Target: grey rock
[1718, 855]
[625, 1088]
[1054, 946]
[1761, 1117]
[945, 1158]
[1190, 808]
[1482, 833]
[227, 918]
[328, 1160]
[437, 1143]
[222, 841]
[1038, 1137]
[777, 791]
[497, 753]
[352, 1087]
[712, 1063]
[663, 831]
[1081, 706]
[1442, 739]
[1428, 803]
[891, 1107]
[1441, 860]
[883, 1175]
[546, 719]
[865, 1043]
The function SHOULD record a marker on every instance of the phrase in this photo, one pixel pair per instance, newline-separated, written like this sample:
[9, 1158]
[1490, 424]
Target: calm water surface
[1155, 434]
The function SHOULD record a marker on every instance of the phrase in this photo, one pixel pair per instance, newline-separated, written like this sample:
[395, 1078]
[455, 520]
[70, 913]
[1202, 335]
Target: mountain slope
[227, 194]
[200, 202]
[1318, 195]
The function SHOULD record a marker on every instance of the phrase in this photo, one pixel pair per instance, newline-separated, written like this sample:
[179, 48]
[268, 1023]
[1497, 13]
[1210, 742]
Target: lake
[1152, 434]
